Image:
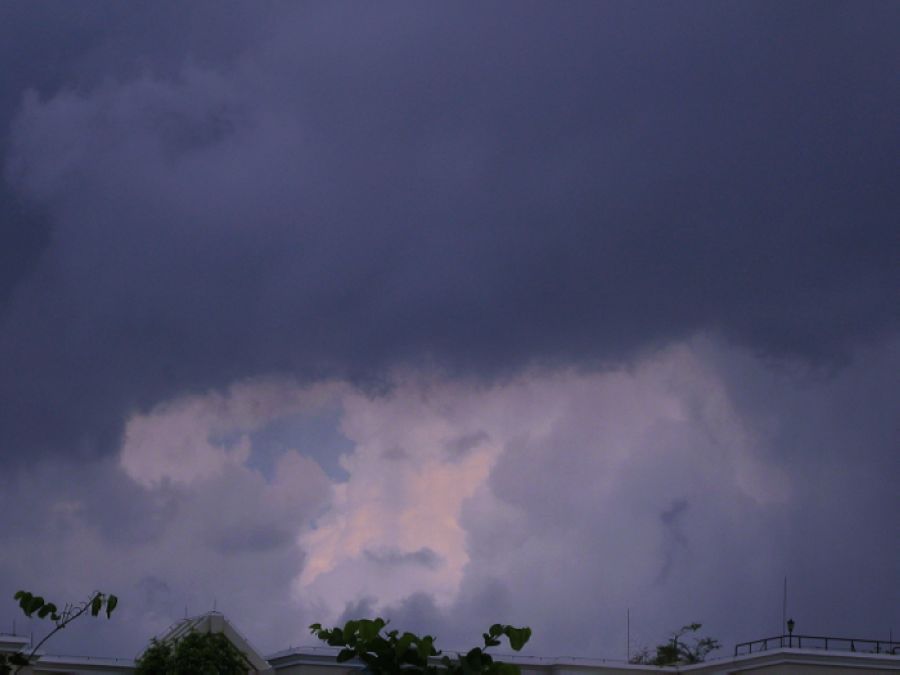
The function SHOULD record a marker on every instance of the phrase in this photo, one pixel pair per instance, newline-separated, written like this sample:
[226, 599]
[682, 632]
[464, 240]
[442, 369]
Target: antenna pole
[628, 635]
[784, 607]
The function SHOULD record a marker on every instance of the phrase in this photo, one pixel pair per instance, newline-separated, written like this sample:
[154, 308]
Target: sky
[462, 313]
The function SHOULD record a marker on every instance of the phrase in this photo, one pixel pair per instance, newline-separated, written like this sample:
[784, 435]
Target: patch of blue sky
[316, 435]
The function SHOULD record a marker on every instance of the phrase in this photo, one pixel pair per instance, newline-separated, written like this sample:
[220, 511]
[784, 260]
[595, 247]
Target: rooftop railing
[818, 642]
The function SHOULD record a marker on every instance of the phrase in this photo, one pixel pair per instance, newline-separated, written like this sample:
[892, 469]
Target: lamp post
[790, 627]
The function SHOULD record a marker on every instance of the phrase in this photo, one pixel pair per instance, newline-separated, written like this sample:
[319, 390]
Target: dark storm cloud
[341, 191]
[47, 46]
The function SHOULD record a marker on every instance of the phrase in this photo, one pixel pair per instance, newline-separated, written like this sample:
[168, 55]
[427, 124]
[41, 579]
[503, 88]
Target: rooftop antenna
[214, 604]
[185, 611]
[627, 635]
[784, 607]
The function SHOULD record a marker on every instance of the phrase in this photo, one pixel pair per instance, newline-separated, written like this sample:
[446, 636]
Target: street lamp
[790, 627]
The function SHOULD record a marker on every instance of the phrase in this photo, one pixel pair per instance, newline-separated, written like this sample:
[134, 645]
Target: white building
[775, 659]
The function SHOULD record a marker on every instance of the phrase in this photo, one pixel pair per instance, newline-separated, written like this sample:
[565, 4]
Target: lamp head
[790, 625]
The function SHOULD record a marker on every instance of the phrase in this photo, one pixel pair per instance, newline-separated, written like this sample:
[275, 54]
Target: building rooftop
[779, 654]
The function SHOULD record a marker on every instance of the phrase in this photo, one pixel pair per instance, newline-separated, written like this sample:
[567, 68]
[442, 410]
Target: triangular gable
[215, 622]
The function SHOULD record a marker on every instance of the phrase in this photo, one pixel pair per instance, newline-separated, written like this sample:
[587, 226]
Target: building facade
[777, 660]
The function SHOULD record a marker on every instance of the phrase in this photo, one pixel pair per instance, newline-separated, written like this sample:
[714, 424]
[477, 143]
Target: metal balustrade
[792, 641]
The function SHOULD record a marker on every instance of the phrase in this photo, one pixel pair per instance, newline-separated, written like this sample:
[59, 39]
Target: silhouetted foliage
[677, 651]
[389, 653]
[194, 654]
[35, 606]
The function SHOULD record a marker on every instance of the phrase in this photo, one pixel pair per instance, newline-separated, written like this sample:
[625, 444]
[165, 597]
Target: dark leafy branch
[678, 651]
[390, 652]
[35, 606]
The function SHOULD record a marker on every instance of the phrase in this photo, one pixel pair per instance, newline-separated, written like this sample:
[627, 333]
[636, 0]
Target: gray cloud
[423, 557]
[461, 446]
[396, 454]
[227, 541]
[260, 538]
[674, 536]
[599, 184]
[582, 509]
[194, 196]
[586, 538]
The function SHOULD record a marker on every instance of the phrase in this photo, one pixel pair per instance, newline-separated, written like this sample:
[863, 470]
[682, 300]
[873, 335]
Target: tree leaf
[518, 637]
[393, 653]
[404, 643]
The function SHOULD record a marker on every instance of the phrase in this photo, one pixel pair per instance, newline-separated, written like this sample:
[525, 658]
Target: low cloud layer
[454, 313]
[580, 495]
